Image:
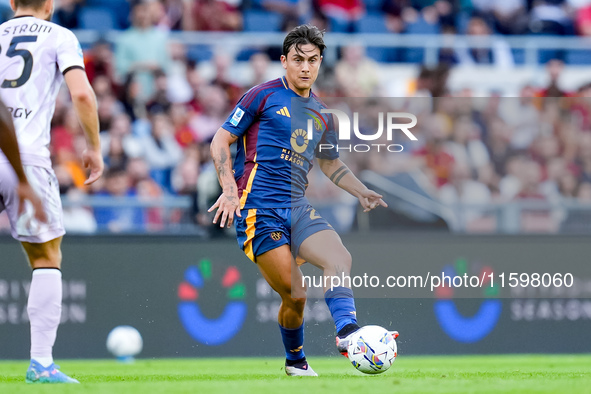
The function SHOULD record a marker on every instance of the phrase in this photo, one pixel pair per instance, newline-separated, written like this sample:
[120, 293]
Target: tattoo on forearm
[221, 163]
[334, 174]
[336, 181]
[234, 137]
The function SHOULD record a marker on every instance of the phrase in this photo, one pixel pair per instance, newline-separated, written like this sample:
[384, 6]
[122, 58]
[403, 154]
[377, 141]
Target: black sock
[295, 363]
[348, 329]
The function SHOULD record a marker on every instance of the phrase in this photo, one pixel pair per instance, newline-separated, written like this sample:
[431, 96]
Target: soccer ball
[372, 349]
[124, 342]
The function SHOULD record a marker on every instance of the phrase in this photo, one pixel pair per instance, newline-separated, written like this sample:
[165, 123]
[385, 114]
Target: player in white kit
[36, 56]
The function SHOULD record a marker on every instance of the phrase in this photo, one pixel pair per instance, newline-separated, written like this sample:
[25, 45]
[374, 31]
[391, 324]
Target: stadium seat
[373, 5]
[379, 54]
[462, 19]
[253, 5]
[199, 53]
[518, 56]
[577, 57]
[245, 54]
[6, 13]
[97, 18]
[386, 55]
[339, 25]
[413, 55]
[255, 20]
[375, 23]
[162, 176]
[372, 23]
[119, 8]
[422, 27]
[104, 3]
[417, 55]
[545, 55]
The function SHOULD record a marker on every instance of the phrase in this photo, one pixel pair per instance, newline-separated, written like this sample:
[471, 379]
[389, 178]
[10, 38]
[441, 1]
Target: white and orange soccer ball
[373, 349]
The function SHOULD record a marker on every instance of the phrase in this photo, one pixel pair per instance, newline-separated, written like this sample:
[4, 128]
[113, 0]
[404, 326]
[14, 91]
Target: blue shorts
[260, 230]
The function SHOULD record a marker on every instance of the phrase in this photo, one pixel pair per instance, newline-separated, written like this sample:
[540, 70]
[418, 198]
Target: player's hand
[93, 160]
[26, 193]
[370, 200]
[227, 206]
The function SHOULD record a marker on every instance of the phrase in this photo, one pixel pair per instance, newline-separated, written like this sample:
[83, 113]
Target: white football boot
[303, 369]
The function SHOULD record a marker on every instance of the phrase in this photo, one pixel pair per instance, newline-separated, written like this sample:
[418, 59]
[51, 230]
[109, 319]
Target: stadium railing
[167, 202]
[528, 215]
[564, 215]
[134, 215]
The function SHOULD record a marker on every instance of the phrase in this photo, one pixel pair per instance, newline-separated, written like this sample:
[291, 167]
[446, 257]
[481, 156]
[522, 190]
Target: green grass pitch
[440, 374]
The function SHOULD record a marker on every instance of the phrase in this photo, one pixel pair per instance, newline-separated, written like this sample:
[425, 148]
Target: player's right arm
[9, 145]
[228, 203]
[85, 105]
[236, 125]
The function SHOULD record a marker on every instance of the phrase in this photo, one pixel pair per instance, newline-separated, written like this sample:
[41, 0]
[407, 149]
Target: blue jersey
[274, 153]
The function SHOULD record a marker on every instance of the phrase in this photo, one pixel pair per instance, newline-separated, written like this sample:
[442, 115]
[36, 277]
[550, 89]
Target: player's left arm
[85, 105]
[70, 61]
[341, 175]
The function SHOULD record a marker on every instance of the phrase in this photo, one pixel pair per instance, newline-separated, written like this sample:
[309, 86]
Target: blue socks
[342, 306]
[293, 341]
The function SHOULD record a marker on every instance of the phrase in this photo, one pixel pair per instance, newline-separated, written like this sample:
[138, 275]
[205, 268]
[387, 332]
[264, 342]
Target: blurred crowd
[473, 153]
[556, 17]
[156, 127]
[157, 116]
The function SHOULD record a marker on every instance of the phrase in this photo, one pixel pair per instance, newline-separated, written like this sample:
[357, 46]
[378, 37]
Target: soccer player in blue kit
[264, 192]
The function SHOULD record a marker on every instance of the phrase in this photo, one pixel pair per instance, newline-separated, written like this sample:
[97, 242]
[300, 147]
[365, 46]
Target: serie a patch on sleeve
[237, 117]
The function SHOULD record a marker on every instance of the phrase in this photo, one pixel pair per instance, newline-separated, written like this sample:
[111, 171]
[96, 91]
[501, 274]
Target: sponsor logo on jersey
[299, 142]
[237, 117]
[284, 112]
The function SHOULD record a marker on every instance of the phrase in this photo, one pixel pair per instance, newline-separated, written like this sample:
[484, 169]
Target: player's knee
[300, 303]
[292, 293]
[294, 296]
[343, 261]
[297, 304]
[46, 258]
[304, 286]
[347, 259]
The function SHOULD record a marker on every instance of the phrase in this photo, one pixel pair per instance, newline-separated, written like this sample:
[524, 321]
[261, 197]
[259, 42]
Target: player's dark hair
[302, 35]
[34, 4]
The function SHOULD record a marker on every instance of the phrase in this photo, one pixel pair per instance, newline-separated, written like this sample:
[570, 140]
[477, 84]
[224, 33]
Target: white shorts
[25, 227]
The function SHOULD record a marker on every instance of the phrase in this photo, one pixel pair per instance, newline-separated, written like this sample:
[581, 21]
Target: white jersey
[34, 55]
